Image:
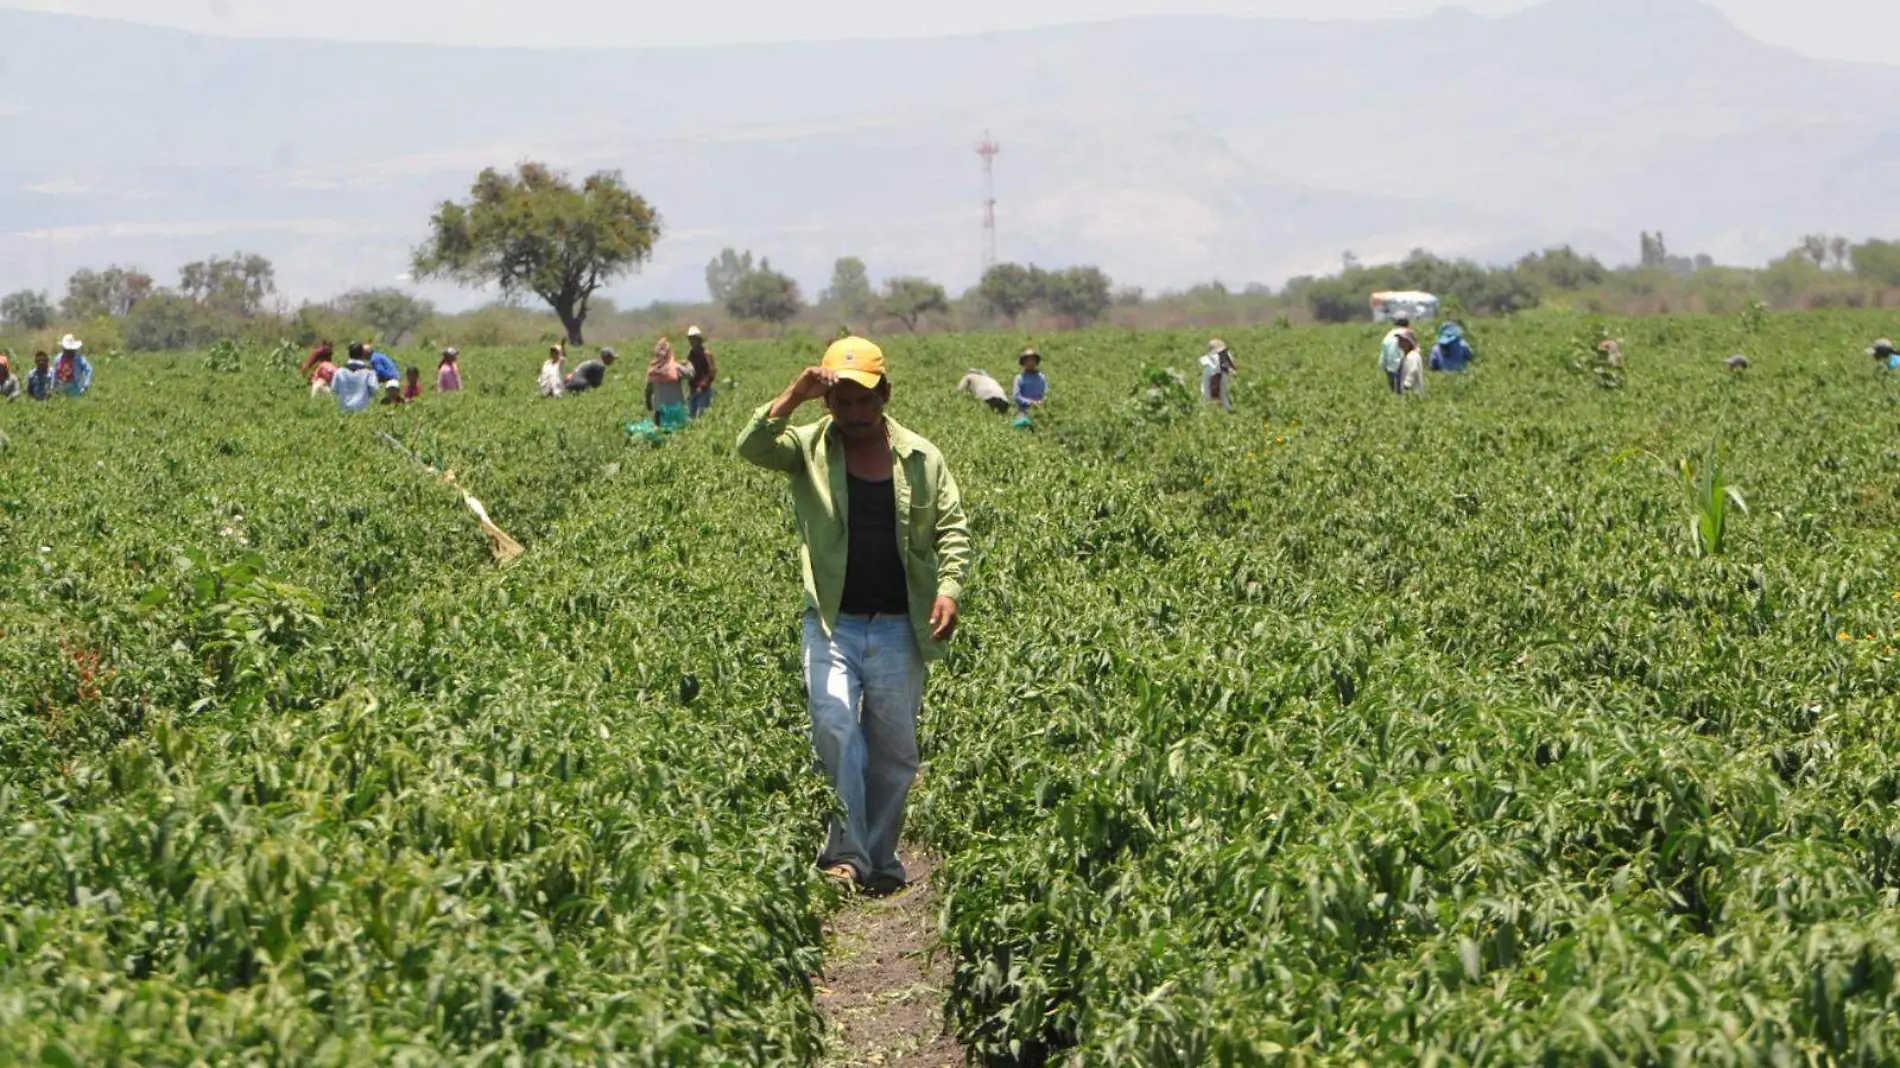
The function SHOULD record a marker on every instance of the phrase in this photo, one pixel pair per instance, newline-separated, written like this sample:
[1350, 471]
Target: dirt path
[882, 994]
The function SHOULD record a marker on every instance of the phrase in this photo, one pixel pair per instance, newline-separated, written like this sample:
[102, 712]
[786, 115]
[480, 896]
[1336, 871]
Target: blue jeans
[865, 684]
[699, 402]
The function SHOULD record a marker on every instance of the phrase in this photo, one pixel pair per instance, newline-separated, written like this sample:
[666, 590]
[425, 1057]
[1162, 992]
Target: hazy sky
[1839, 29]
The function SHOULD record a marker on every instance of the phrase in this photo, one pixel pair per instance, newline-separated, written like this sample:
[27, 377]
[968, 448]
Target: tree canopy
[391, 311]
[1079, 294]
[1563, 268]
[765, 295]
[535, 231]
[28, 309]
[1878, 261]
[908, 299]
[1010, 289]
[850, 290]
[725, 272]
[112, 292]
[235, 285]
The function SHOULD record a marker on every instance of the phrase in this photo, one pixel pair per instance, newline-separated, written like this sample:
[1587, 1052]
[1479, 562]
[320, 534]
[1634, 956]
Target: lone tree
[114, 291]
[29, 309]
[1010, 289]
[765, 295]
[236, 285]
[909, 299]
[391, 311]
[726, 271]
[535, 232]
[850, 289]
[1079, 294]
[1878, 261]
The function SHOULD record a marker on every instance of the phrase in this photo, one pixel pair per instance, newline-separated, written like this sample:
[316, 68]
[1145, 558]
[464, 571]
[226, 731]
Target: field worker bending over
[886, 552]
[551, 371]
[1452, 354]
[323, 353]
[385, 368]
[355, 384]
[980, 385]
[1884, 355]
[1217, 374]
[322, 373]
[9, 382]
[592, 374]
[72, 375]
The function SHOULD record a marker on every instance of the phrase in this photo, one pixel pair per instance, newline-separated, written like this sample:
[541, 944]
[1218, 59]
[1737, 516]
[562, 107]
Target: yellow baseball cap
[856, 359]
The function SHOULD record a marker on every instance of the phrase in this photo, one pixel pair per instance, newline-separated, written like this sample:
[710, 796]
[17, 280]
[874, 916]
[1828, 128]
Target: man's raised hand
[812, 383]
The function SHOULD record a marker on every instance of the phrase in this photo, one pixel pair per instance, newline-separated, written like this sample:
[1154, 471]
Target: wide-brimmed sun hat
[693, 331]
[1881, 348]
[70, 343]
[1217, 346]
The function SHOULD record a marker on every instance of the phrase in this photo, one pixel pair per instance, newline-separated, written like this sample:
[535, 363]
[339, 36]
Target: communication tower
[989, 150]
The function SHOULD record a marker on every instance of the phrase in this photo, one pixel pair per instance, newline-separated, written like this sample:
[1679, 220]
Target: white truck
[1414, 306]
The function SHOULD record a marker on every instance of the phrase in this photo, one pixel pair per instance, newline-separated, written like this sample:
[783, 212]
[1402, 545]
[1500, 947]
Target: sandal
[843, 874]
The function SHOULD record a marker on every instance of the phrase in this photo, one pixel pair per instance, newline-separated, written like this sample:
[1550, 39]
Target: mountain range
[1170, 151]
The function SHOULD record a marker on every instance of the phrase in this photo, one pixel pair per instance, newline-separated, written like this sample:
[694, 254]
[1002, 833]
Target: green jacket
[933, 537]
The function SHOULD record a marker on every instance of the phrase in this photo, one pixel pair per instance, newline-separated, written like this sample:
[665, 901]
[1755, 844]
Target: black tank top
[873, 571]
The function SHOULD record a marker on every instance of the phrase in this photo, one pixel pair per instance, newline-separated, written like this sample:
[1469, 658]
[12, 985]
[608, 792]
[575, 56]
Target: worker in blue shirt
[1453, 353]
[385, 368]
[1031, 388]
[1884, 355]
[72, 372]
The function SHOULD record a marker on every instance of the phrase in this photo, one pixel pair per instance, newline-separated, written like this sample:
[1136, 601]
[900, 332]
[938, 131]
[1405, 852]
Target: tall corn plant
[1709, 495]
[1709, 498]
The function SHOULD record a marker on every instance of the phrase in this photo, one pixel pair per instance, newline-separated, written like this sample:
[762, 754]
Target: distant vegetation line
[235, 297]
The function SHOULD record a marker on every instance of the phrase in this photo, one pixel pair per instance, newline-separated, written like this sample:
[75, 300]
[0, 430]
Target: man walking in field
[885, 552]
[705, 372]
[355, 383]
[1217, 374]
[1392, 354]
[72, 372]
